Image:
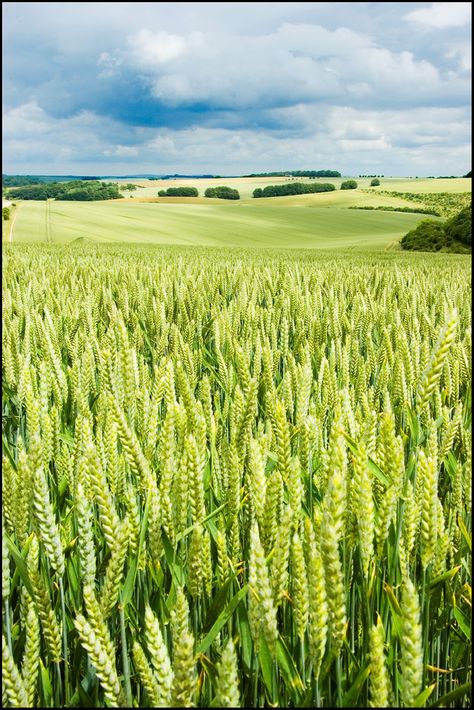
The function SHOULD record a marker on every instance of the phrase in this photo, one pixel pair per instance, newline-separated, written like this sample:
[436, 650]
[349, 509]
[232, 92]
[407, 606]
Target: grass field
[264, 225]
[298, 221]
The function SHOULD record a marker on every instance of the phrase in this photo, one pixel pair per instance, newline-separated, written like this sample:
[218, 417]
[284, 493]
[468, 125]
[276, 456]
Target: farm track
[48, 221]
[10, 239]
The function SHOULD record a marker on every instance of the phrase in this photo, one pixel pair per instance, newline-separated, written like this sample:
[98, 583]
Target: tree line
[74, 190]
[292, 188]
[179, 192]
[298, 173]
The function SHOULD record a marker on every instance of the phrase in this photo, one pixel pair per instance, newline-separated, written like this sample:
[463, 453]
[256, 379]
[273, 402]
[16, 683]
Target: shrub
[223, 193]
[429, 235]
[348, 185]
[375, 182]
[5, 213]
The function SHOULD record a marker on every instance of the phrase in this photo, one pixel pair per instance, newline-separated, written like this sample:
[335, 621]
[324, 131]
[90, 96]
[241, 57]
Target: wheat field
[235, 478]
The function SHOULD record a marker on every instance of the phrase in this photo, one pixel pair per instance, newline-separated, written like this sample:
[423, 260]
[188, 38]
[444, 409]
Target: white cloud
[31, 133]
[110, 63]
[237, 87]
[295, 63]
[121, 151]
[27, 119]
[441, 15]
[149, 50]
[463, 56]
[162, 145]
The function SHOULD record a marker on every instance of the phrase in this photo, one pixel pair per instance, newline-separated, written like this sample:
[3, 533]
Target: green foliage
[5, 213]
[223, 193]
[179, 192]
[427, 236]
[459, 227]
[130, 187]
[33, 192]
[375, 182]
[292, 188]
[349, 185]
[72, 190]
[91, 191]
[452, 236]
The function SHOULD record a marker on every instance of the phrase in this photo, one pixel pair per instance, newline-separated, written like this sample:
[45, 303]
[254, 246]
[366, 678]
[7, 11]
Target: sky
[232, 88]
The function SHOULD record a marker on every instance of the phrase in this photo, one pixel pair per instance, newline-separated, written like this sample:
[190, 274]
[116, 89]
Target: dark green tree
[459, 227]
[428, 235]
[292, 188]
[223, 193]
[179, 192]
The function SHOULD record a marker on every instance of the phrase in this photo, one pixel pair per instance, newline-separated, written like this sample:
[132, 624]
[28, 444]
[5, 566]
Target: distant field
[246, 186]
[425, 185]
[228, 224]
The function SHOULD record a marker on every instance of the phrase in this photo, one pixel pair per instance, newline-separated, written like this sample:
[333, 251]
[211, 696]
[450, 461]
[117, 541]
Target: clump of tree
[130, 187]
[179, 192]
[459, 227]
[348, 185]
[80, 190]
[454, 235]
[292, 188]
[223, 193]
[298, 173]
[469, 174]
[375, 182]
[88, 191]
[31, 192]
[5, 213]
